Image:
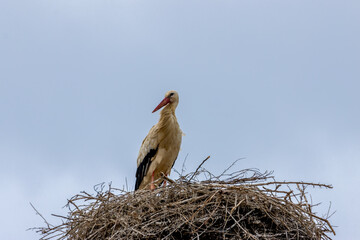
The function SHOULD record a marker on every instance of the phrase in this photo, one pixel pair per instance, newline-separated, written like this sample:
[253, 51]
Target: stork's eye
[171, 94]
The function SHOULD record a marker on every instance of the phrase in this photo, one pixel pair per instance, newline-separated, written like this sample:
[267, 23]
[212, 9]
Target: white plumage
[161, 146]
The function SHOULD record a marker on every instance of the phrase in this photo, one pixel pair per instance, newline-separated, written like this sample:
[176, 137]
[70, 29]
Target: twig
[38, 213]
[304, 183]
[198, 168]
[227, 169]
[183, 165]
[167, 178]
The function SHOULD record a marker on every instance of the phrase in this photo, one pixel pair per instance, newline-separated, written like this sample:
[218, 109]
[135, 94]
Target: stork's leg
[152, 186]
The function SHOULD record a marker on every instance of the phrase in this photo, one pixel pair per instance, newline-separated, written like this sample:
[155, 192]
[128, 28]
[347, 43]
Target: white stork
[161, 146]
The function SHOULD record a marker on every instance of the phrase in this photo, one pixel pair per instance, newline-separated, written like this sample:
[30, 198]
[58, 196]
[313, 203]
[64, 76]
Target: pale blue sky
[276, 82]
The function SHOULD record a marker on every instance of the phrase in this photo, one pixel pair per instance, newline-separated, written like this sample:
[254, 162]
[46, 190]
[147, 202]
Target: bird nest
[245, 204]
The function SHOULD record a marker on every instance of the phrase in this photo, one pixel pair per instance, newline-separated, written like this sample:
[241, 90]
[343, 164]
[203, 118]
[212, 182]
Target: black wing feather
[144, 167]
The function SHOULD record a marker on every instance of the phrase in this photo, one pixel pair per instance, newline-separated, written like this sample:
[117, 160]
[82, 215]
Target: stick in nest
[196, 171]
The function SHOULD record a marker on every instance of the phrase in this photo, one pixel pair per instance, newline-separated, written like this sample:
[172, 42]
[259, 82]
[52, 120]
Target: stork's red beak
[165, 101]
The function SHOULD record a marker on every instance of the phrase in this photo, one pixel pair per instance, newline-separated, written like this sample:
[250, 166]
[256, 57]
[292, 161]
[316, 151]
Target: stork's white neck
[167, 117]
[168, 109]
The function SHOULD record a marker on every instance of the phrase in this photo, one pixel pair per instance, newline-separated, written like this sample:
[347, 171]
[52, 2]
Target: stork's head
[171, 99]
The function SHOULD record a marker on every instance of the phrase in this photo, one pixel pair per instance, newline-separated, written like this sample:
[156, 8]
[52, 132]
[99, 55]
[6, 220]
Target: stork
[161, 146]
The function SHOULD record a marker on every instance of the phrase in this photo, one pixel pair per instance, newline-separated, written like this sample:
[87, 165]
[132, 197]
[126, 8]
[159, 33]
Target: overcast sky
[276, 82]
